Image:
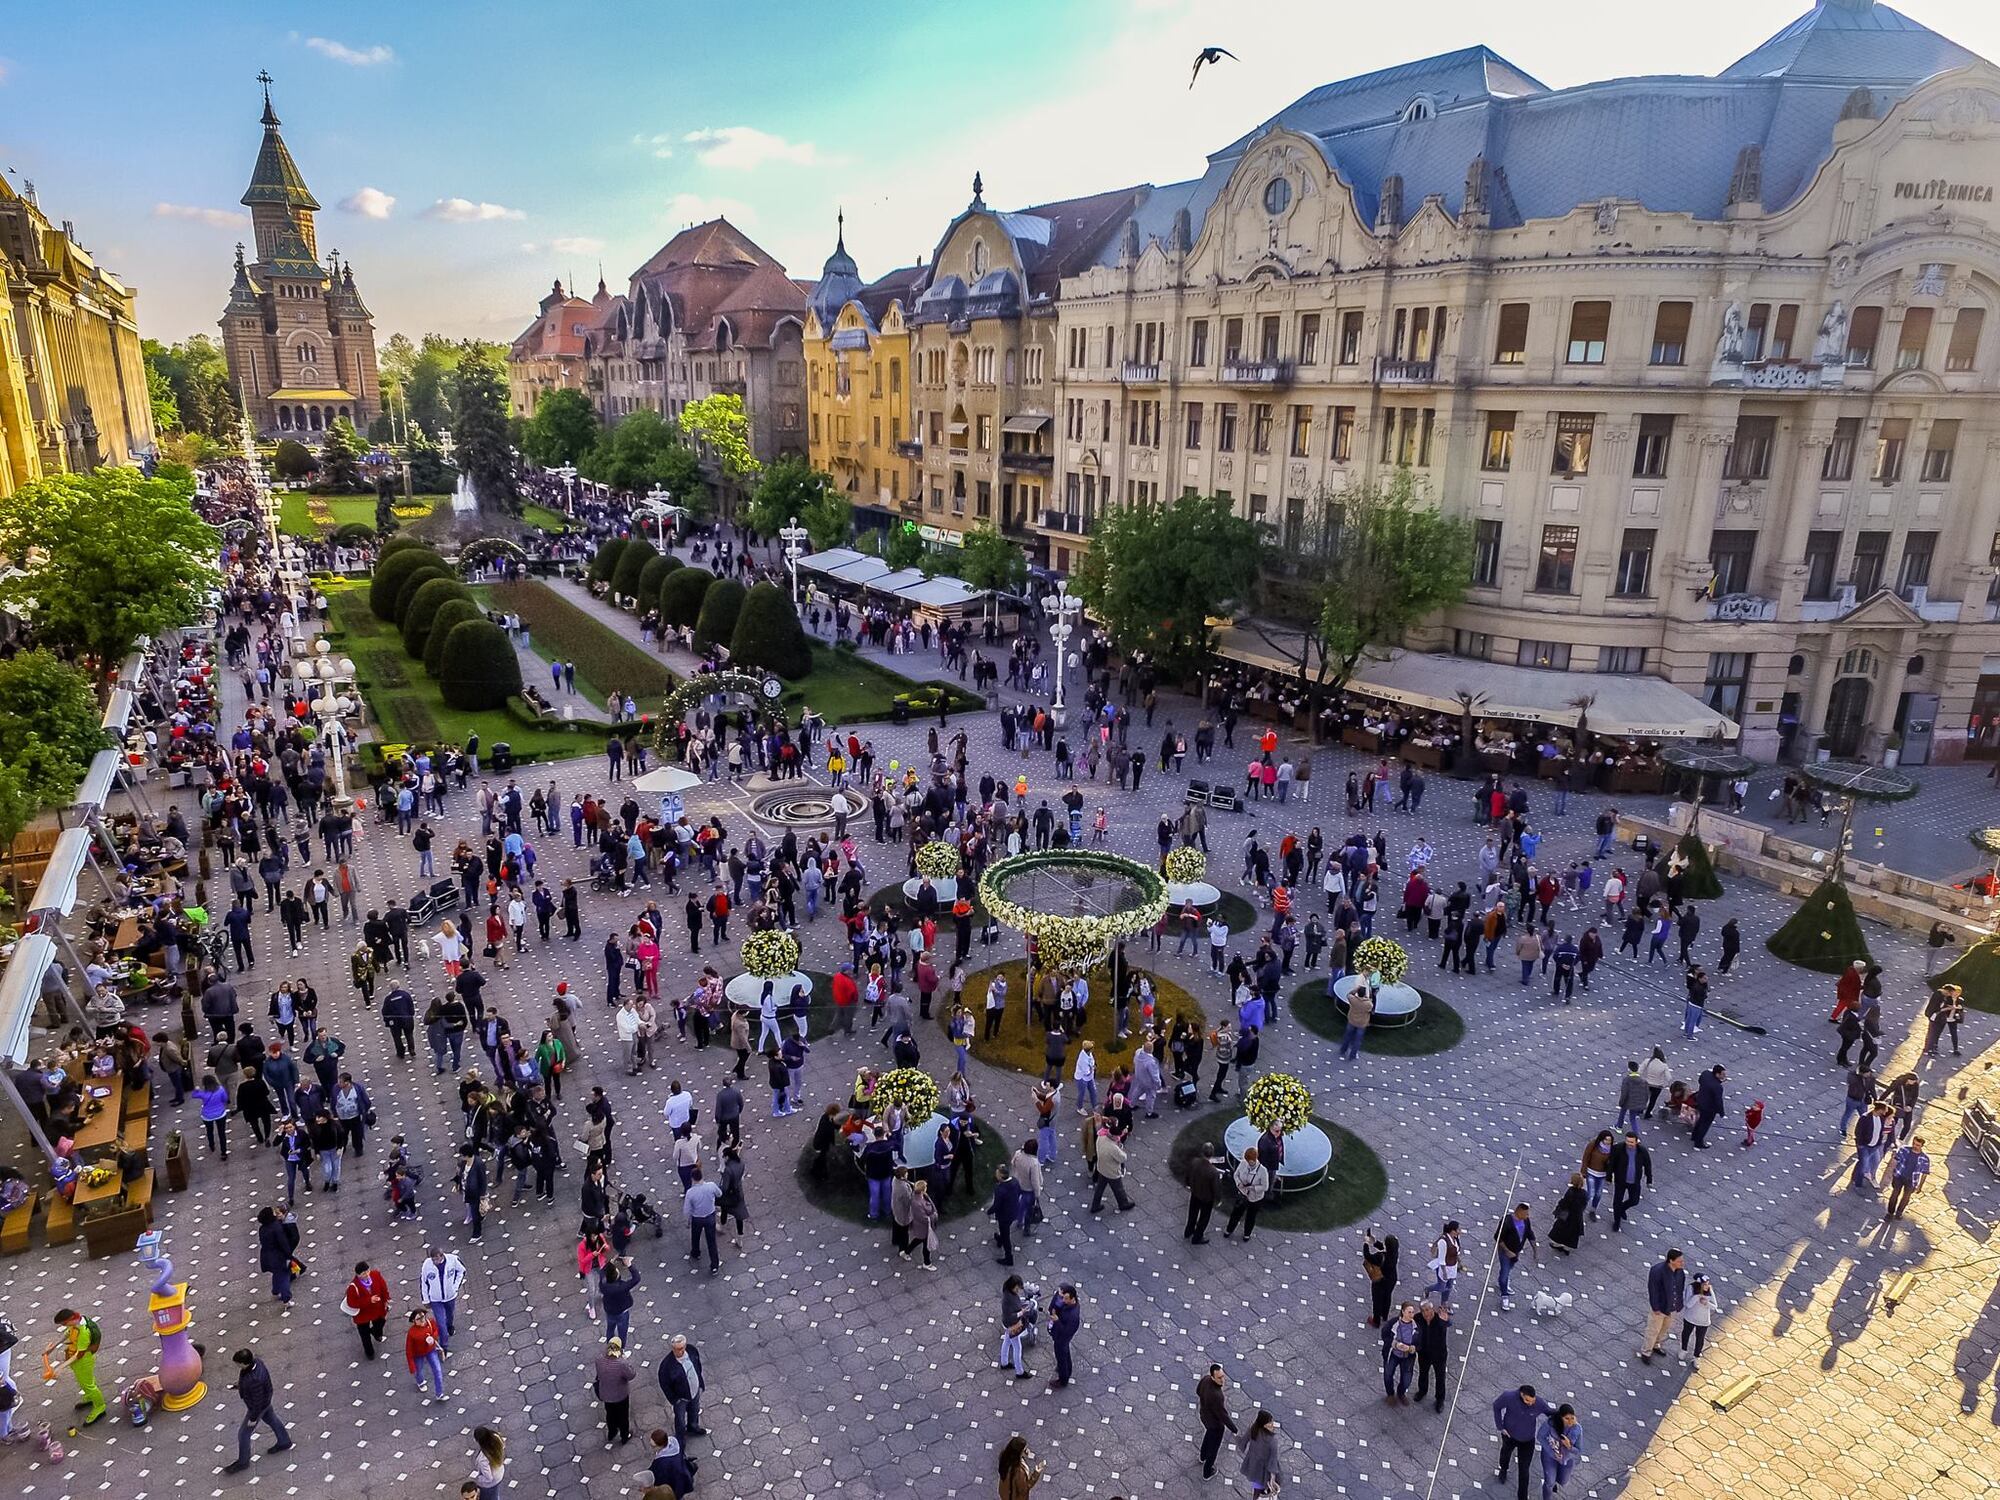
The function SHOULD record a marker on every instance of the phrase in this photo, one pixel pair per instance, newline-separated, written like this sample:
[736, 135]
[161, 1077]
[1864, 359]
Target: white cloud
[214, 218]
[354, 57]
[661, 145]
[694, 208]
[465, 211]
[568, 244]
[744, 148]
[370, 203]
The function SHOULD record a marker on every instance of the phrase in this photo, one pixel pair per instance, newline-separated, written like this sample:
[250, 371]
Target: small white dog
[1547, 1306]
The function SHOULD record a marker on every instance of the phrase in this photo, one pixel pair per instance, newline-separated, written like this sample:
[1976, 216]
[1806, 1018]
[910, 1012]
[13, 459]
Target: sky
[466, 154]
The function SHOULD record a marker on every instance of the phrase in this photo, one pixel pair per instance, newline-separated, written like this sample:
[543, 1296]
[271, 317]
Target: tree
[105, 558]
[420, 378]
[605, 562]
[682, 594]
[293, 460]
[631, 565]
[401, 543]
[641, 451]
[479, 430]
[720, 606]
[987, 560]
[429, 473]
[717, 423]
[787, 489]
[18, 803]
[198, 377]
[391, 569]
[479, 668]
[418, 616]
[563, 429]
[828, 519]
[54, 705]
[1371, 562]
[386, 523]
[412, 581]
[450, 613]
[1823, 934]
[1154, 573]
[160, 392]
[900, 546]
[768, 636]
[340, 457]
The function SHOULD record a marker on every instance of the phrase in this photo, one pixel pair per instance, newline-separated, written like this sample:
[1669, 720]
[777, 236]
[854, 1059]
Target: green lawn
[604, 659]
[1437, 1027]
[543, 519]
[295, 511]
[846, 688]
[1355, 1184]
[407, 706]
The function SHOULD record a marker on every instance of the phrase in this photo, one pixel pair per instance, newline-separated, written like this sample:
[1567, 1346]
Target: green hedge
[451, 613]
[720, 606]
[651, 577]
[632, 567]
[414, 580]
[480, 669]
[606, 559]
[423, 607]
[682, 594]
[402, 541]
[390, 572]
[768, 635]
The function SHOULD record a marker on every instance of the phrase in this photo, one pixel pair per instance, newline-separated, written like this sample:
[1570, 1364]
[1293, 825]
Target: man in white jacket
[443, 1274]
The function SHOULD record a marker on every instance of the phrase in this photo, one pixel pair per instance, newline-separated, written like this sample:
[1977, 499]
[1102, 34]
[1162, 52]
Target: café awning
[118, 712]
[1024, 424]
[21, 992]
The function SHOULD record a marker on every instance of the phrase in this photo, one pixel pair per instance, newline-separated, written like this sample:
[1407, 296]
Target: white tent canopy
[57, 891]
[118, 712]
[21, 992]
[857, 570]
[97, 782]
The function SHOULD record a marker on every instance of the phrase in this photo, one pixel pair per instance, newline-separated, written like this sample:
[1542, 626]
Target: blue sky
[479, 150]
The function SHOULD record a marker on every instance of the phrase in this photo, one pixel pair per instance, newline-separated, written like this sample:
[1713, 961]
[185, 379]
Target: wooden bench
[18, 1225]
[138, 1102]
[139, 1195]
[60, 1227]
[133, 1136]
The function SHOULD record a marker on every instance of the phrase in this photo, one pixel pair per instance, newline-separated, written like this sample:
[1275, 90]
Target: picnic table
[100, 1131]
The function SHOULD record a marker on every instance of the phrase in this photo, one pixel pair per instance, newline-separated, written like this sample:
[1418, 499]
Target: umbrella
[667, 779]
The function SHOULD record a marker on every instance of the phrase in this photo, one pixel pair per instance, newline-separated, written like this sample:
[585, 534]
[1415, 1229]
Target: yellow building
[72, 380]
[857, 350]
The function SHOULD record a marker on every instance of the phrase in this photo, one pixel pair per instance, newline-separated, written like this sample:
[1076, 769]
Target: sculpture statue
[1830, 347]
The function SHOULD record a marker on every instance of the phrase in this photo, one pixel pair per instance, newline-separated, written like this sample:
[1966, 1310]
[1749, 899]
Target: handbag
[1374, 1271]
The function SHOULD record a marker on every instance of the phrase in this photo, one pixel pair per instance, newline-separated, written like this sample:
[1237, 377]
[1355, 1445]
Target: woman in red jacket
[368, 1304]
[424, 1353]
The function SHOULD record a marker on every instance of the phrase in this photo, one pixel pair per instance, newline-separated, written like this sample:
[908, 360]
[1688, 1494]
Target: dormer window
[1423, 107]
[1277, 196]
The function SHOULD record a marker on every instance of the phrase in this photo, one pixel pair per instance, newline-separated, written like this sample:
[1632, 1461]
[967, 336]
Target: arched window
[1423, 107]
[313, 416]
[284, 419]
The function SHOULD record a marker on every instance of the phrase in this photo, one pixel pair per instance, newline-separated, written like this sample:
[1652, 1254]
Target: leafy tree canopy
[563, 429]
[644, 450]
[988, 560]
[479, 430]
[340, 456]
[48, 701]
[197, 377]
[718, 424]
[828, 519]
[429, 473]
[785, 489]
[293, 460]
[1154, 573]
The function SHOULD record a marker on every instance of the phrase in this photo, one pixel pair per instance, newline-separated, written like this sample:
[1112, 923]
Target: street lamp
[1062, 606]
[659, 500]
[567, 474]
[792, 536]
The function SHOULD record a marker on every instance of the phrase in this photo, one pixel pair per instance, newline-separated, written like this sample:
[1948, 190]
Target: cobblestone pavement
[833, 1367]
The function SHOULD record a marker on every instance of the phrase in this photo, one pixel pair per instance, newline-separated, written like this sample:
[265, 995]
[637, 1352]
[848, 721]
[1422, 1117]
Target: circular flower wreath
[770, 954]
[1278, 1101]
[938, 860]
[1380, 955]
[1066, 943]
[1186, 865]
[912, 1090]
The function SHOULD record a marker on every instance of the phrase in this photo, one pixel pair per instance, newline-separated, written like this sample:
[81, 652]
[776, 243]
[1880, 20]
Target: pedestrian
[1252, 1181]
[616, 1286]
[1360, 1011]
[368, 1305]
[1379, 1262]
[1399, 1355]
[1065, 1318]
[81, 1340]
[254, 1387]
[1212, 1406]
[1019, 1474]
[423, 1352]
[1631, 1168]
[277, 1239]
[1017, 1326]
[1908, 1171]
[1666, 1293]
[699, 1205]
[1708, 1102]
[1697, 1316]
[682, 1382]
[1631, 1097]
[612, 1382]
[1432, 1350]
[1261, 1453]
[672, 1476]
[442, 1276]
[1560, 1439]
[1444, 1264]
[489, 1462]
[1517, 1417]
[1752, 1118]
[1944, 1012]
[1514, 1237]
[1566, 1228]
[1204, 1187]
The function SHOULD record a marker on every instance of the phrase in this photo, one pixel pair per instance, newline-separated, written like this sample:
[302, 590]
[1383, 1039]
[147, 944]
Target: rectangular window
[983, 500]
[1784, 330]
[1267, 339]
[1621, 659]
[1550, 656]
[1498, 456]
[1260, 427]
[1863, 329]
[1198, 343]
[1649, 454]
[1915, 335]
[1963, 351]
[1918, 549]
[1194, 427]
[1428, 427]
[985, 429]
[1035, 365]
[1406, 437]
[1309, 339]
[1670, 333]
[1889, 446]
[1839, 461]
[1729, 554]
[1225, 427]
[1822, 557]
[1755, 329]
[1486, 554]
[1871, 553]
[1350, 338]
[1728, 676]
[1635, 563]
[1938, 450]
[1420, 333]
[895, 377]
[1574, 430]
[1510, 342]
[1475, 645]
[1401, 328]
[1232, 340]
[1749, 455]
[1556, 571]
[1343, 435]
[1589, 328]
[1302, 431]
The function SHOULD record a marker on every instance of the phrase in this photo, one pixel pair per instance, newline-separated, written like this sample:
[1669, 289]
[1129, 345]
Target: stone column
[1788, 567]
[1812, 716]
[1690, 570]
[1889, 691]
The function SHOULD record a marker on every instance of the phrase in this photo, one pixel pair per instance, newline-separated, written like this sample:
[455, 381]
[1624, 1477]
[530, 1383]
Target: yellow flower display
[1278, 1101]
[1380, 955]
[911, 1089]
[1068, 942]
[771, 954]
[938, 860]
[1185, 865]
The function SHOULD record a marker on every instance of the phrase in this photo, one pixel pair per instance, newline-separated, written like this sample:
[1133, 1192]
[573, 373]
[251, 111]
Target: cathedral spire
[276, 178]
[270, 114]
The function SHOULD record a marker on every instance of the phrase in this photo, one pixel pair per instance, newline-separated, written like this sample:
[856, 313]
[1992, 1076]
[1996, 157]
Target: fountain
[464, 500]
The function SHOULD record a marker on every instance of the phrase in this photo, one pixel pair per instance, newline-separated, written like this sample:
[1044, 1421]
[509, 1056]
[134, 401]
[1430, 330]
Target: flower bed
[771, 954]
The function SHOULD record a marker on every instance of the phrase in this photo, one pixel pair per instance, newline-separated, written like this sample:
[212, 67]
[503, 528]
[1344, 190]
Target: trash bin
[501, 756]
[899, 710]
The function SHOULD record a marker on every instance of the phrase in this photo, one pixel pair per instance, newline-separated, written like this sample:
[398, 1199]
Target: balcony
[909, 448]
[1068, 522]
[1257, 373]
[1743, 609]
[1132, 372]
[1405, 371]
[1781, 375]
[1028, 463]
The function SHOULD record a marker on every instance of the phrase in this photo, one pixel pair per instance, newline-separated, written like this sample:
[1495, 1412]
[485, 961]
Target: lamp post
[658, 499]
[793, 536]
[331, 709]
[567, 474]
[1062, 606]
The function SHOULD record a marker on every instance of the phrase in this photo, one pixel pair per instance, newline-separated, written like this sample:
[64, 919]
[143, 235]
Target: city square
[1415, 898]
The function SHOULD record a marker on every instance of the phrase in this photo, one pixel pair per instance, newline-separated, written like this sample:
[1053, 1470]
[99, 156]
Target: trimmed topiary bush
[1699, 882]
[682, 594]
[768, 635]
[454, 611]
[632, 567]
[415, 579]
[479, 667]
[389, 575]
[402, 541]
[423, 608]
[606, 559]
[651, 577]
[1823, 934]
[720, 607]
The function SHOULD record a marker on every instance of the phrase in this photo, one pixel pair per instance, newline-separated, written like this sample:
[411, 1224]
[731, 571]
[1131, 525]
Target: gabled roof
[705, 272]
[276, 177]
[1852, 41]
[717, 244]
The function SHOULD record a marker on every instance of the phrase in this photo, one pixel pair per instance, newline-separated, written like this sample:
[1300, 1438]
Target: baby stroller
[636, 1211]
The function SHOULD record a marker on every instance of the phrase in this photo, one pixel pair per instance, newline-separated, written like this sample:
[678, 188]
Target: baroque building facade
[72, 379]
[1709, 364]
[548, 354]
[299, 341]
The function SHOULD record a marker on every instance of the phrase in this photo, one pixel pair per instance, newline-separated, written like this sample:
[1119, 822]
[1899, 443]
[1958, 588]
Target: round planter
[746, 990]
[946, 890]
[1308, 1152]
[1395, 1004]
[1201, 893]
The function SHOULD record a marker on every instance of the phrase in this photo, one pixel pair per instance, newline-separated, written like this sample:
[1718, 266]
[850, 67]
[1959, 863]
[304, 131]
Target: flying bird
[1209, 55]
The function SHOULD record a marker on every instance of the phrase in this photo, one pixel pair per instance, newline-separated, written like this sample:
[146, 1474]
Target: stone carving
[1727, 366]
[1830, 347]
[1607, 217]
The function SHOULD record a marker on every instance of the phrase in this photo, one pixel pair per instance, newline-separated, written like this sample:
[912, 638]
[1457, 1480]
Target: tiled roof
[1855, 42]
[276, 177]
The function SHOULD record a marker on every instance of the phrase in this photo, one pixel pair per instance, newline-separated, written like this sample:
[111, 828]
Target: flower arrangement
[1380, 955]
[770, 954]
[1278, 1101]
[912, 1090]
[1185, 865]
[1074, 943]
[938, 860]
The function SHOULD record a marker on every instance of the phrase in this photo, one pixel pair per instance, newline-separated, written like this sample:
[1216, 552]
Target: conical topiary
[1699, 881]
[1823, 934]
[1977, 972]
